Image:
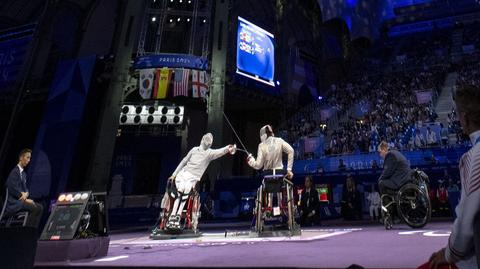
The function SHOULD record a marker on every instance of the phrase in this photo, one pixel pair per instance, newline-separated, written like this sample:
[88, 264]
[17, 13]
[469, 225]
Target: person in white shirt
[460, 249]
[419, 139]
[190, 171]
[374, 200]
[431, 137]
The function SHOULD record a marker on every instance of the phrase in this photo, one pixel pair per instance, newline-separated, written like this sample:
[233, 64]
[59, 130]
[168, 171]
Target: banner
[12, 56]
[161, 85]
[146, 83]
[171, 61]
[424, 97]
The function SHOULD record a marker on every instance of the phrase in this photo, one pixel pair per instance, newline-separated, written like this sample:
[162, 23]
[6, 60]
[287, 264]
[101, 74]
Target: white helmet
[207, 141]
[265, 132]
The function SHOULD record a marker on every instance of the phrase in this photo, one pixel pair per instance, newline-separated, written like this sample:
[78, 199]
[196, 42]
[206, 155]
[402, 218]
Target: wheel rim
[414, 206]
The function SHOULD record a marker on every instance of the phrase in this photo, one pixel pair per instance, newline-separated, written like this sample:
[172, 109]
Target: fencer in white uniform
[269, 154]
[269, 157]
[190, 171]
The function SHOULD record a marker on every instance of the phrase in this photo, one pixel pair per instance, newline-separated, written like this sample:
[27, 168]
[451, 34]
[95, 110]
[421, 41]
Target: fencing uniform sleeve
[289, 151]
[258, 163]
[217, 153]
[183, 162]
[461, 240]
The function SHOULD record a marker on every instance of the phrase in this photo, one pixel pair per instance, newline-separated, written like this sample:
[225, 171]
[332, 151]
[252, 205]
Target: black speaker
[17, 247]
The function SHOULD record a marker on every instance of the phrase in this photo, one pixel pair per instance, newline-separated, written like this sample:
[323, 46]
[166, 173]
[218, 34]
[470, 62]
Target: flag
[161, 85]
[146, 83]
[180, 83]
[195, 88]
[203, 84]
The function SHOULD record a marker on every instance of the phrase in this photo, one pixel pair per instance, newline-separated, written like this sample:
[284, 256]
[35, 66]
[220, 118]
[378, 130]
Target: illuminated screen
[323, 192]
[255, 52]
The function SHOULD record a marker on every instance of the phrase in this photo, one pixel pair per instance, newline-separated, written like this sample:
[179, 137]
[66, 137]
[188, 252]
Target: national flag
[180, 82]
[161, 84]
[203, 84]
[195, 88]
[146, 83]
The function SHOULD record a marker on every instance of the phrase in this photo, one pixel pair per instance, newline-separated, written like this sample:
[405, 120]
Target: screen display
[255, 52]
[323, 192]
[63, 222]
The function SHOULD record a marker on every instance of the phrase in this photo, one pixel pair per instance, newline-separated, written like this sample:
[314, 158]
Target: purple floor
[338, 247]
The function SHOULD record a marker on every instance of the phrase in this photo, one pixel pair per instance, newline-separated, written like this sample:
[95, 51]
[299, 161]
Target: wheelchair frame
[287, 208]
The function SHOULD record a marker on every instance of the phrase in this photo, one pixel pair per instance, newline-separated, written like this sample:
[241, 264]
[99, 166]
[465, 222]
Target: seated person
[396, 170]
[309, 204]
[351, 201]
[18, 195]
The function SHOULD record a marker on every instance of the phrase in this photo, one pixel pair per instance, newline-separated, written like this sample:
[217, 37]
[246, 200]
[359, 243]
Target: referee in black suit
[18, 196]
[396, 170]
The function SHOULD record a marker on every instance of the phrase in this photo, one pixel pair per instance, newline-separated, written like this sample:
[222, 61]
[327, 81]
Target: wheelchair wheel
[413, 205]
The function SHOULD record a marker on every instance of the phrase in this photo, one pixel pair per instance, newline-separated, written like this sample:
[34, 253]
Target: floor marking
[112, 258]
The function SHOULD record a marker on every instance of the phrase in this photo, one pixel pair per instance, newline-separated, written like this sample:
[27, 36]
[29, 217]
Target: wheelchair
[189, 217]
[411, 202]
[265, 212]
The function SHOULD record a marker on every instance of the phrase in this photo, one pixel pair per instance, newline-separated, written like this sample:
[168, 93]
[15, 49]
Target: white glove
[232, 149]
[250, 160]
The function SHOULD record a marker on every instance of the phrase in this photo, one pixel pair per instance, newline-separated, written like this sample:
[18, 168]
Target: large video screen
[255, 52]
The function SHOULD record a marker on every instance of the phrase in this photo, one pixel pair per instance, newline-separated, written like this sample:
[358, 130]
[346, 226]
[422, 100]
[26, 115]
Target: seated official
[309, 204]
[18, 194]
[396, 170]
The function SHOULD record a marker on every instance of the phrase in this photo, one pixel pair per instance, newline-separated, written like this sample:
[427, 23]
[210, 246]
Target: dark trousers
[34, 213]
[305, 220]
[386, 186]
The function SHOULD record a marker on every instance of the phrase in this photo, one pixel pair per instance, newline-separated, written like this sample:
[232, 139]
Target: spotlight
[171, 20]
[123, 118]
[176, 119]
[178, 19]
[188, 20]
[204, 21]
[125, 109]
[164, 110]
[138, 109]
[150, 119]
[154, 19]
[177, 110]
[180, 1]
[320, 98]
[137, 119]
[163, 119]
[278, 83]
[189, 1]
[151, 110]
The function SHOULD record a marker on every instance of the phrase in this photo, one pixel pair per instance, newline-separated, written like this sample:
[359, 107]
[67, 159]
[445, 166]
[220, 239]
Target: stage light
[180, 1]
[189, 1]
[188, 20]
[171, 20]
[178, 19]
[164, 110]
[204, 21]
[278, 83]
[151, 110]
[163, 119]
[154, 19]
[138, 109]
[320, 98]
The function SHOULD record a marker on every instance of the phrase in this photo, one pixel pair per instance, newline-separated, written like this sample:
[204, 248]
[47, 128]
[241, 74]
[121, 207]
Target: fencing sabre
[233, 129]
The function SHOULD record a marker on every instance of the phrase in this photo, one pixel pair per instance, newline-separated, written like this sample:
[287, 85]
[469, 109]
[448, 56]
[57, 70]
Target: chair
[16, 218]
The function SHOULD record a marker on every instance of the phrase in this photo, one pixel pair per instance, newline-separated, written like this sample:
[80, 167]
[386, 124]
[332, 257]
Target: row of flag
[156, 83]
